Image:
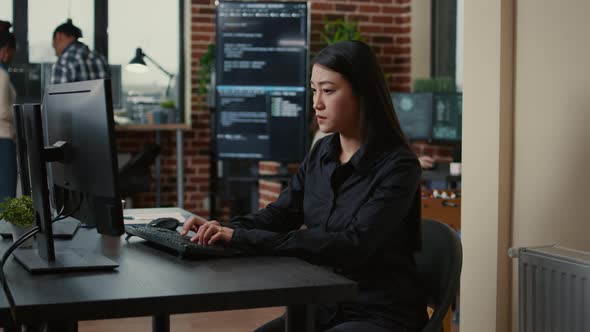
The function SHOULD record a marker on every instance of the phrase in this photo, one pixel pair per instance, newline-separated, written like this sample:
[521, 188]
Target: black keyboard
[181, 244]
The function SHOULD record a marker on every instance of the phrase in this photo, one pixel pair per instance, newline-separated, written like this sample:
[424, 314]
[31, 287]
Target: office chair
[439, 265]
[136, 175]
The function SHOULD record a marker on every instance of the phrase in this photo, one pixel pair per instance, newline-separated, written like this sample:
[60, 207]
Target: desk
[150, 282]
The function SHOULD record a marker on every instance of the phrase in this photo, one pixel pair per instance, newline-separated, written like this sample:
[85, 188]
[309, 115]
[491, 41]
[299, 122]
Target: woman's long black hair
[6, 37]
[357, 62]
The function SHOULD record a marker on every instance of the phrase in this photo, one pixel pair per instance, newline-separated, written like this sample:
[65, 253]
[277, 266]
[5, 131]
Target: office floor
[222, 321]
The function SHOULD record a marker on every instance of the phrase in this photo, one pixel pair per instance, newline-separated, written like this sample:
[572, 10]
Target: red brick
[202, 2]
[206, 10]
[203, 28]
[402, 70]
[382, 39]
[403, 40]
[396, 50]
[402, 60]
[396, 9]
[384, 60]
[370, 28]
[207, 38]
[358, 18]
[369, 9]
[344, 7]
[334, 16]
[203, 19]
[382, 19]
[321, 6]
[397, 30]
[403, 19]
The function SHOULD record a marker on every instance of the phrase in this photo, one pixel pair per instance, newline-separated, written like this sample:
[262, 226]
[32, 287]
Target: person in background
[358, 194]
[426, 162]
[8, 169]
[76, 62]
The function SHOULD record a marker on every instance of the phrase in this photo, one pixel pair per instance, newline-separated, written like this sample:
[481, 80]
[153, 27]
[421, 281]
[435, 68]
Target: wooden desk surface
[150, 281]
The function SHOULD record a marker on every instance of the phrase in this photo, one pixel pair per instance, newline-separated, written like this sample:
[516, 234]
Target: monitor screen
[447, 117]
[414, 111]
[261, 76]
[27, 80]
[81, 114]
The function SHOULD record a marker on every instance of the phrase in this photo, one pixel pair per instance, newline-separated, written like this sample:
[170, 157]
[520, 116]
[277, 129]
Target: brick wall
[385, 24]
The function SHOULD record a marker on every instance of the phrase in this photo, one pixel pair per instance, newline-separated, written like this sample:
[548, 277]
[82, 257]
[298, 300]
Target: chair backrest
[136, 176]
[439, 265]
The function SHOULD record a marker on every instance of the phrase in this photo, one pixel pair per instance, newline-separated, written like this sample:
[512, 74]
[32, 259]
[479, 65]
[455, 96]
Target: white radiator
[554, 295]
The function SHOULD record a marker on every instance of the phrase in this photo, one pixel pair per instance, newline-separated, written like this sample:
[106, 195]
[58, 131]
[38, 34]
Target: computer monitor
[447, 116]
[80, 152]
[414, 111]
[81, 113]
[21, 148]
[261, 80]
[27, 79]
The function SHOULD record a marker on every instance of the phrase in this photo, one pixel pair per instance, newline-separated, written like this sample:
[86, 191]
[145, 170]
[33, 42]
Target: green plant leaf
[338, 30]
[18, 211]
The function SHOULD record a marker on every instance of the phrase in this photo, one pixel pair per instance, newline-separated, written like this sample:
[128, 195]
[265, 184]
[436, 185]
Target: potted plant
[339, 30]
[168, 108]
[20, 214]
[434, 85]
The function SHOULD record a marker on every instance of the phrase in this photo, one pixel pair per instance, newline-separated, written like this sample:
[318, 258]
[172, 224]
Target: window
[153, 25]
[6, 10]
[156, 32]
[46, 15]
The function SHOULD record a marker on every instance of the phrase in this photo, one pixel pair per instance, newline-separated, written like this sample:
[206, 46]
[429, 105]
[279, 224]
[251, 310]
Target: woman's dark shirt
[362, 219]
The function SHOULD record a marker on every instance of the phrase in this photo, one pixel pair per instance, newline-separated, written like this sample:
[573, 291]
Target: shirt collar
[72, 45]
[362, 159]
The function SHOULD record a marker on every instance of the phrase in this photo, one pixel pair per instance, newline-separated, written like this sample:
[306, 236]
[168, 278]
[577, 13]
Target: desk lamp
[138, 65]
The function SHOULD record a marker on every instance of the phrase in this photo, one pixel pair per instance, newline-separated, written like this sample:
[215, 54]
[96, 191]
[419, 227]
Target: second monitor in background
[414, 111]
[431, 117]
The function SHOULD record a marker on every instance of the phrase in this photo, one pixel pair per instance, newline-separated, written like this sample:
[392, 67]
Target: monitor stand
[65, 261]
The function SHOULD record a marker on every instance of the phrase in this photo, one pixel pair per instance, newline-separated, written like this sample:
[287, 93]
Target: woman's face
[336, 107]
[7, 53]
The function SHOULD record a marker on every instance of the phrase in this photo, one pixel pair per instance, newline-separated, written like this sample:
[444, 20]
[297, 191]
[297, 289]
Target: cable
[27, 235]
[81, 198]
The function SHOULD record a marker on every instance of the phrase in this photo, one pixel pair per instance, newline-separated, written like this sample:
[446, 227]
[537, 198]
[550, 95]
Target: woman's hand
[208, 232]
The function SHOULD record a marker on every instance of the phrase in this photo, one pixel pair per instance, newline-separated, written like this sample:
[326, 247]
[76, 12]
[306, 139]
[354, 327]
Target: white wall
[487, 160]
[552, 120]
[525, 144]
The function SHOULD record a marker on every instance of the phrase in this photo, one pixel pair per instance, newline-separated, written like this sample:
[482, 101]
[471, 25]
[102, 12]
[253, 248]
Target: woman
[7, 98]
[357, 193]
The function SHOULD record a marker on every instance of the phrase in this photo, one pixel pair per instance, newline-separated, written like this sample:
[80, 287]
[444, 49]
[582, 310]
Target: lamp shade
[137, 64]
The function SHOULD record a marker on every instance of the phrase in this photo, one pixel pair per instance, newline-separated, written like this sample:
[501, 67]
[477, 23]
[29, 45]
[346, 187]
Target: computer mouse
[168, 223]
